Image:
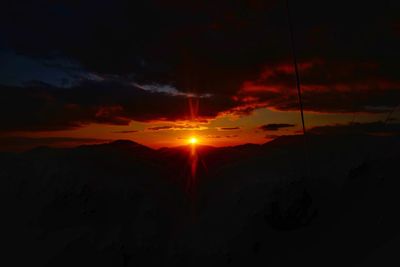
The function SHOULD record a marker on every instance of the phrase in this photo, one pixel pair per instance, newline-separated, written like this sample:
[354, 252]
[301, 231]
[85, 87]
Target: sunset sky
[158, 72]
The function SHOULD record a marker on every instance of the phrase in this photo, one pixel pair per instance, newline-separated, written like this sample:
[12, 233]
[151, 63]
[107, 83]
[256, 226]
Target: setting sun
[193, 140]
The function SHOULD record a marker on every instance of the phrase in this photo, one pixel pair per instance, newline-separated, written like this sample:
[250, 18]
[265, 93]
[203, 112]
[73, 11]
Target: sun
[193, 140]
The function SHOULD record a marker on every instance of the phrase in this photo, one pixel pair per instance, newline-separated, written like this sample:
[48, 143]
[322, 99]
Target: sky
[158, 72]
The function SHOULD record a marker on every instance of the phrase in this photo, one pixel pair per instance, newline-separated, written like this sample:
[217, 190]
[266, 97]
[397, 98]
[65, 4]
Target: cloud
[327, 86]
[158, 128]
[177, 127]
[214, 136]
[235, 53]
[126, 132]
[231, 136]
[374, 128]
[41, 107]
[221, 136]
[228, 128]
[275, 126]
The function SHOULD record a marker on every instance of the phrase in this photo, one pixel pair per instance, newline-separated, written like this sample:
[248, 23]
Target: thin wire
[298, 86]
[296, 69]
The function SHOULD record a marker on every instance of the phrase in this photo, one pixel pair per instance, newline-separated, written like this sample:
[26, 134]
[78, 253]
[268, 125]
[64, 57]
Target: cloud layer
[45, 108]
[236, 55]
[275, 126]
[374, 128]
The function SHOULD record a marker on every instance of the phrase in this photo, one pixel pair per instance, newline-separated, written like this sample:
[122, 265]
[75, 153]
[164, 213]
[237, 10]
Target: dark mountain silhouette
[124, 204]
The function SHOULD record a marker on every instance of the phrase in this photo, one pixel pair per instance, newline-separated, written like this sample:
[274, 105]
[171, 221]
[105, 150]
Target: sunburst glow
[193, 140]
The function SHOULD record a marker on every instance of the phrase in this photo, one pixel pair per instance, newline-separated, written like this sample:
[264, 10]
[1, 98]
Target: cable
[296, 69]
[298, 86]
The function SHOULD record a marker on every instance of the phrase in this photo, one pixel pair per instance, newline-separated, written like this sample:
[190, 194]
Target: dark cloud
[193, 46]
[126, 132]
[158, 128]
[275, 126]
[214, 136]
[221, 136]
[228, 128]
[377, 128]
[42, 107]
[174, 127]
[348, 54]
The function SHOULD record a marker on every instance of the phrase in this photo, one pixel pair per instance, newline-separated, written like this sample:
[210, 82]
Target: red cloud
[326, 87]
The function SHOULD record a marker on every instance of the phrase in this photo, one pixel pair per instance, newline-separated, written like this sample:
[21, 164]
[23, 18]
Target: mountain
[330, 200]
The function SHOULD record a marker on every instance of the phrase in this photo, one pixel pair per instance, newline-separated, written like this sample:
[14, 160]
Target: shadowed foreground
[123, 204]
